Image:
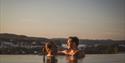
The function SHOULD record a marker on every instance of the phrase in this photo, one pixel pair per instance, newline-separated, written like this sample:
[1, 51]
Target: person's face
[70, 44]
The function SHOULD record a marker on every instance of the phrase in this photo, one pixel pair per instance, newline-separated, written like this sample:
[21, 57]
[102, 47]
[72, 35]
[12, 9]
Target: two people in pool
[72, 52]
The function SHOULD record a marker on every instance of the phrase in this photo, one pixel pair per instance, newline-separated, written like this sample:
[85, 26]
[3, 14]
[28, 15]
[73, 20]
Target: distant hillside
[22, 44]
[7, 36]
[91, 42]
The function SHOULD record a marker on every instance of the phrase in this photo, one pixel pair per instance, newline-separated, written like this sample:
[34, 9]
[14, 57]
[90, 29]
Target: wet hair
[74, 39]
[51, 45]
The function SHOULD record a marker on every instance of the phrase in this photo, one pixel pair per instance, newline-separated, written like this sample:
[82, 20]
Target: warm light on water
[90, 58]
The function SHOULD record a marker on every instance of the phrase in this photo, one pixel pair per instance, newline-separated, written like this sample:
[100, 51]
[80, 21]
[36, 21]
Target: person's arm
[62, 52]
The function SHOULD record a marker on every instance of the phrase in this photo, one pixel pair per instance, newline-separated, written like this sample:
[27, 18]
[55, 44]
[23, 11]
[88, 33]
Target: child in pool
[51, 50]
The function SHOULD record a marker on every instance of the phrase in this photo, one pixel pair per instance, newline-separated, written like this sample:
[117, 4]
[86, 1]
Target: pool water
[89, 58]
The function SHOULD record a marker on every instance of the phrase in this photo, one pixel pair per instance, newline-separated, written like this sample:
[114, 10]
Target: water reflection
[72, 59]
[57, 59]
[51, 59]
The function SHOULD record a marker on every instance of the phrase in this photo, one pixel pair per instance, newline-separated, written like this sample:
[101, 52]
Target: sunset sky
[87, 19]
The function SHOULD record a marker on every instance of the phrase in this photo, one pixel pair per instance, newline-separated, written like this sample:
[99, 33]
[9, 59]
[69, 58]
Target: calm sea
[90, 58]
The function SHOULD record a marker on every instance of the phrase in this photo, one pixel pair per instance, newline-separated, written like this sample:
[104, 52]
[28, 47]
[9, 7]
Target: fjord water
[90, 58]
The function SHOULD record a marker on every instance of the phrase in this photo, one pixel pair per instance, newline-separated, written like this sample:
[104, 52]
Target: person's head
[72, 42]
[50, 47]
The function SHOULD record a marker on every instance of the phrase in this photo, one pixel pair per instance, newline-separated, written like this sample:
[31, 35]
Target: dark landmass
[22, 44]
